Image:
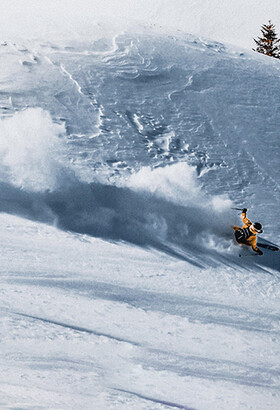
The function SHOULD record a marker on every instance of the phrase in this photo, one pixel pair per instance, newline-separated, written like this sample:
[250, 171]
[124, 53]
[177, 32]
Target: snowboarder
[247, 235]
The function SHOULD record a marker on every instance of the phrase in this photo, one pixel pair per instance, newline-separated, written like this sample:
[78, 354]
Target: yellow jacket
[252, 240]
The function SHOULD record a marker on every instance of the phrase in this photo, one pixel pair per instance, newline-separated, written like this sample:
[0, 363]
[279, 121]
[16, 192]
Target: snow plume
[151, 210]
[205, 216]
[164, 207]
[178, 183]
[29, 149]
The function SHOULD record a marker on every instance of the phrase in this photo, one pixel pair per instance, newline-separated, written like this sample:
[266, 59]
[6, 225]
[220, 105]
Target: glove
[259, 252]
[244, 210]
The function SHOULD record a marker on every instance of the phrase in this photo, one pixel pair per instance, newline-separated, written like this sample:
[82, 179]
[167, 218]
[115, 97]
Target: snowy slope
[90, 324]
[121, 285]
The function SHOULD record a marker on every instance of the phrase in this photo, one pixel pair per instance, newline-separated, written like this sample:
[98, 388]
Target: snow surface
[122, 155]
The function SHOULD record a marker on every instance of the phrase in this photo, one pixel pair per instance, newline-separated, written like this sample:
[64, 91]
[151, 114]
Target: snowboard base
[267, 246]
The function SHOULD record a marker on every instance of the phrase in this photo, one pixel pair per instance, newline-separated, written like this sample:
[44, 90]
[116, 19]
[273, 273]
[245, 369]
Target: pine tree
[268, 44]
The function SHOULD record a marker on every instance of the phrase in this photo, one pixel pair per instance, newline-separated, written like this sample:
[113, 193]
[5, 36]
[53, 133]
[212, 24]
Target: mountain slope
[122, 287]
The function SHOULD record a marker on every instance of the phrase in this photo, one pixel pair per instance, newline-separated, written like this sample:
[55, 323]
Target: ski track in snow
[108, 297]
[154, 400]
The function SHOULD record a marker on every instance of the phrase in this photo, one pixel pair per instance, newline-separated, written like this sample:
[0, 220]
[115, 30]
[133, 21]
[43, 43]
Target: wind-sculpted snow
[141, 138]
[143, 100]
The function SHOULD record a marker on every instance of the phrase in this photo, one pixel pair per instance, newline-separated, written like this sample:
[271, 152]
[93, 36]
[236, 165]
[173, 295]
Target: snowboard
[268, 246]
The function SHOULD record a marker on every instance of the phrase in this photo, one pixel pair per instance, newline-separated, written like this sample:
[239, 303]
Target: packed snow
[123, 153]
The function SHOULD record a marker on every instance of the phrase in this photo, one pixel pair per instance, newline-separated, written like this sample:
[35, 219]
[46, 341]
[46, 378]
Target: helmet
[257, 227]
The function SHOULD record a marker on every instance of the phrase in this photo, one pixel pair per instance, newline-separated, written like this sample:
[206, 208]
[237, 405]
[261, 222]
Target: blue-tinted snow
[146, 142]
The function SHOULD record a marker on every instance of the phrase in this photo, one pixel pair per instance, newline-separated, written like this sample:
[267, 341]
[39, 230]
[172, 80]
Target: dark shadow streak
[108, 212]
[141, 218]
[194, 309]
[153, 400]
[77, 328]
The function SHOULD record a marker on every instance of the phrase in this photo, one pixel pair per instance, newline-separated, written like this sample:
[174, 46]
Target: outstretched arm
[244, 218]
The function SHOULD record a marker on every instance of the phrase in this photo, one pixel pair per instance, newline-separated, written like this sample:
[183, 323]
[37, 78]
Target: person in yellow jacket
[247, 235]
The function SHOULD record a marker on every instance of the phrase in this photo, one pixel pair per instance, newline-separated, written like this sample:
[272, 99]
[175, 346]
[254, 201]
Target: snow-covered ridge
[235, 22]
